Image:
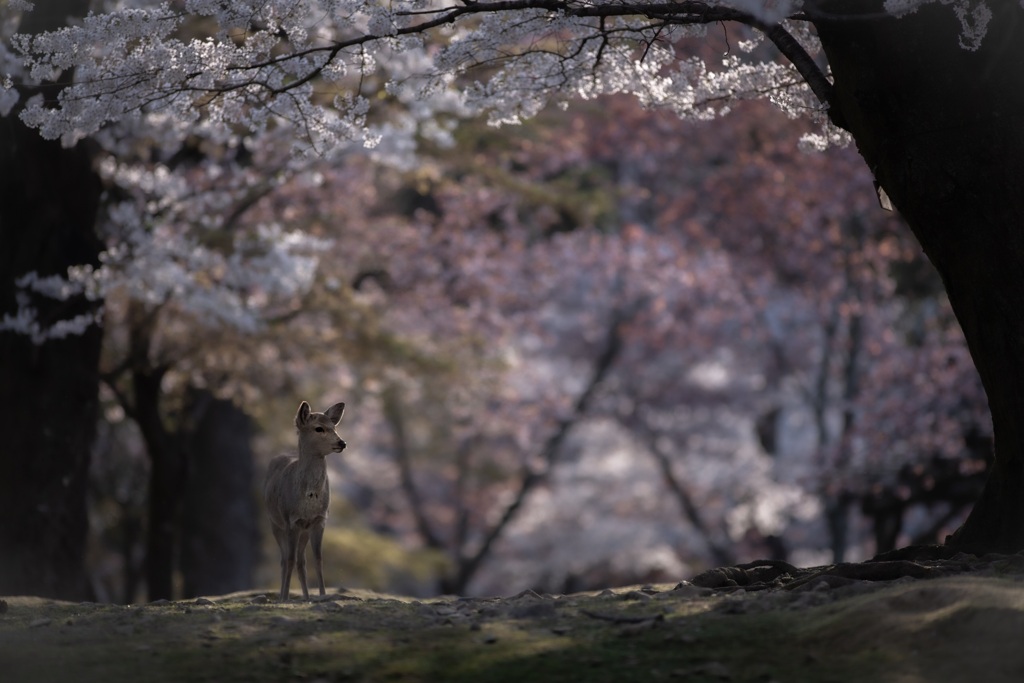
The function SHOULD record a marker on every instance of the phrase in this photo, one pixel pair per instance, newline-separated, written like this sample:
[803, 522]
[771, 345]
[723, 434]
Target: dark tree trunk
[837, 521]
[48, 393]
[941, 128]
[166, 484]
[201, 517]
[220, 534]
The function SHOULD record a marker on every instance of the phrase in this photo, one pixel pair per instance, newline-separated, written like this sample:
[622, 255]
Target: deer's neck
[312, 471]
[310, 461]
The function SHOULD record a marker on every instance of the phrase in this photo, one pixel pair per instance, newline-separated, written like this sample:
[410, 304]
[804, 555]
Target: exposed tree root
[915, 562]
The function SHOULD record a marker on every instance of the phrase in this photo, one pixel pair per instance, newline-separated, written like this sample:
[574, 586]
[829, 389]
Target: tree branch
[531, 478]
[686, 12]
[792, 50]
[721, 555]
[393, 413]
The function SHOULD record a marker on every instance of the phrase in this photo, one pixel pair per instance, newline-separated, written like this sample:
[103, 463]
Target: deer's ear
[302, 415]
[335, 412]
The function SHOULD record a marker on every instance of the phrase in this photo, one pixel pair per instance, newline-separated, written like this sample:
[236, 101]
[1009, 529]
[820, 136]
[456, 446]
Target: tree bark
[48, 395]
[940, 127]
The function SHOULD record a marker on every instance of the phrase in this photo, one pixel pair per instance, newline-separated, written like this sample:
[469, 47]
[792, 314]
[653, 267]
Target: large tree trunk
[942, 128]
[48, 395]
[220, 535]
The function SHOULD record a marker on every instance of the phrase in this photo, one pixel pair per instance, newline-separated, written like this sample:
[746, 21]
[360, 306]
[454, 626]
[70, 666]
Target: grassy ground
[947, 629]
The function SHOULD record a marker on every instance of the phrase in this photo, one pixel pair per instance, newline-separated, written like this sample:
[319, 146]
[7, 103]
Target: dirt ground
[961, 623]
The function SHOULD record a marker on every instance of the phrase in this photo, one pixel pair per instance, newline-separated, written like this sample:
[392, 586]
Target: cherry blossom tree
[467, 245]
[980, 265]
[197, 73]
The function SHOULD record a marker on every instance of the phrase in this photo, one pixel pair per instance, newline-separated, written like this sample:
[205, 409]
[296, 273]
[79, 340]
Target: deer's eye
[319, 429]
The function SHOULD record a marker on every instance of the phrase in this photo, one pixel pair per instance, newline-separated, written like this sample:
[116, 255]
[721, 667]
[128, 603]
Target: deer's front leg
[300, 561]
[318, 554]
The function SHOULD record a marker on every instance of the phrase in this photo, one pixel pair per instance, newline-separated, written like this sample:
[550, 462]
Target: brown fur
[297, 494]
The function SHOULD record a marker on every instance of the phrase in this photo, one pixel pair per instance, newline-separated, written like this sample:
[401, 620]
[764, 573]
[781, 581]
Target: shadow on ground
[952, 628]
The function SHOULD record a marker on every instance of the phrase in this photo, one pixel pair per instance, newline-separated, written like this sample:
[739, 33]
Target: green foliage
[551, 185]
[360, 558]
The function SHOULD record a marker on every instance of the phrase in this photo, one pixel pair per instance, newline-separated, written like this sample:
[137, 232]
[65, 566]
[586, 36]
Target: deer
[297, 494]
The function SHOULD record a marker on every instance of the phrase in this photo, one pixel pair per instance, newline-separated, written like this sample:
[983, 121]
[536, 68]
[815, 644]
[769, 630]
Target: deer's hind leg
[286, 545]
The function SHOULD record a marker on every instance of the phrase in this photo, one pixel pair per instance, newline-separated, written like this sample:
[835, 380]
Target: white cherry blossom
[316, 78]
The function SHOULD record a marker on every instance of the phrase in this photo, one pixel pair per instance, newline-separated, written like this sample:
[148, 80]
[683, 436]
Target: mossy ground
[949, 629]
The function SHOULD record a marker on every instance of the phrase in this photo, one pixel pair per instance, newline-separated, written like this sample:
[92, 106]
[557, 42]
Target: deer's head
[318, 433]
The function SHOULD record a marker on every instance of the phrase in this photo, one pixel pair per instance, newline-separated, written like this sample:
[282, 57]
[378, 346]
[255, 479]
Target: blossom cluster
[317, 63]
[320, 78]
